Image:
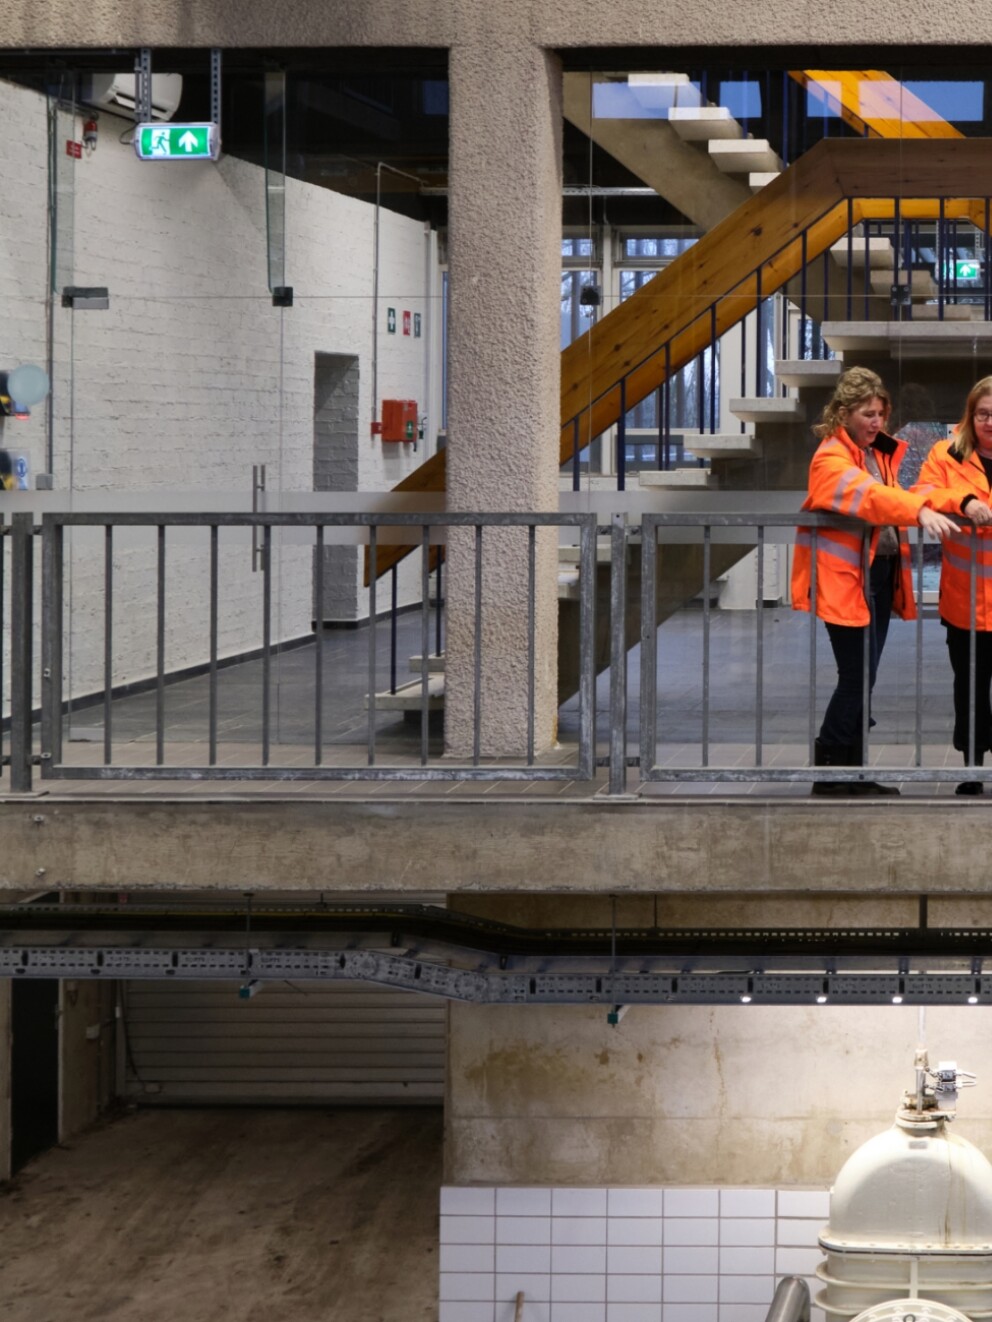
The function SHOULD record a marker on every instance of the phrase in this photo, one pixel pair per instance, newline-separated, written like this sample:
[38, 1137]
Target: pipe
[791, 1301]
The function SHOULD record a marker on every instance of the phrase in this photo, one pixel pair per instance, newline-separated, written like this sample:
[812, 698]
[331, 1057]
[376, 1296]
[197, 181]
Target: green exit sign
[967, 270]
[177, 142]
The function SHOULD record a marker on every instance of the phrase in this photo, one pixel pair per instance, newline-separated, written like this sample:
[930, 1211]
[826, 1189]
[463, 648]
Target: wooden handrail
[874, 102]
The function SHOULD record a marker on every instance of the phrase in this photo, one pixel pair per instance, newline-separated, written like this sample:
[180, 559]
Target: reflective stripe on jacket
[840, 483]
[947, 480]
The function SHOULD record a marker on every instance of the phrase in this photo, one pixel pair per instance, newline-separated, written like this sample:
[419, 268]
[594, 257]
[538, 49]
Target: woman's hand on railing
[979, 512]
[939, 525]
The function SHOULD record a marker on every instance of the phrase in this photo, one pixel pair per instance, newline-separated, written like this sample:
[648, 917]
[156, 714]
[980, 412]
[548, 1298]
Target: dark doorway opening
[34, 1072]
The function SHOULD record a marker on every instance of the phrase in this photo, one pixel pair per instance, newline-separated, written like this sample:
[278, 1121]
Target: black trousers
[959, 649]
[842, 723]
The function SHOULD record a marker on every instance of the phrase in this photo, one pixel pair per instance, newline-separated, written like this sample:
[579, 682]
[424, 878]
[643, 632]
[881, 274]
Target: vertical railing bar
[214, 608]
[972, 642]
[660, 411]
[394, 595]
[21, 658]
[813, 549]
[425, 641]
[373, 581]
[531, 637]
[759, 344]
[826, 300]
[318, 651]
[867, 229]
[576, 435]
[850, 258]
[919, 648]
[866, 649]
[988, 262]
[51, 642]
[108, 634]
[649, 645]
[701, 391]
[941, 260]
[266, 640]
[712, 369]
[477, 659]
[4, 539]
[707, 551]
[587, 634]
[618, 655]
[896, 245]
[438, 599]
[803, 319]
[668, 404]
[160, 649]
[759, 677]
[622, 438]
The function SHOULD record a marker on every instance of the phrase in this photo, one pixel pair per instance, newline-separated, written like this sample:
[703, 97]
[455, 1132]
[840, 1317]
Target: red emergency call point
[399, 419]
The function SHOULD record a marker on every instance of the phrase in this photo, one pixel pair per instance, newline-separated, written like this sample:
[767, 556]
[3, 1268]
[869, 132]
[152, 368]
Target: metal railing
[691, 682]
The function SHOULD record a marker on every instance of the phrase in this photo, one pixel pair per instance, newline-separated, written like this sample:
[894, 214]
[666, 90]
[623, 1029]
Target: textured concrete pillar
[503, 402]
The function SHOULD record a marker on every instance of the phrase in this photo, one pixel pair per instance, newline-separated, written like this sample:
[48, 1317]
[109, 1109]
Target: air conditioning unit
[116, 92]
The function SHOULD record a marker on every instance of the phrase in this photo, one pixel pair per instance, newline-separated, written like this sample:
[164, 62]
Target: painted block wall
[609, 1254]
[191, 376]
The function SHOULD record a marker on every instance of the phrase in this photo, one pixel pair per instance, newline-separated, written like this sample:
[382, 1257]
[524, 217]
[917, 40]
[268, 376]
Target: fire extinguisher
[90, 134]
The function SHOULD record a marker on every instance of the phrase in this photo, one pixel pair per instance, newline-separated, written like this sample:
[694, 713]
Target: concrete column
[504, 375]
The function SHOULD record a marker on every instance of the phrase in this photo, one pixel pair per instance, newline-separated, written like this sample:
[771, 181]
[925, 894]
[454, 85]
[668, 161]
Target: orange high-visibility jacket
[947, 480]
[840, 483]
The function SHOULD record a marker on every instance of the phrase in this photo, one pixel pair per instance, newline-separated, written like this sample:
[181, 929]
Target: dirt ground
[205, 1215]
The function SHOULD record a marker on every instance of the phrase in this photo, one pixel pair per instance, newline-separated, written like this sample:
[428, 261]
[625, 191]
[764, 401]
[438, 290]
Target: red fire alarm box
[399, 419]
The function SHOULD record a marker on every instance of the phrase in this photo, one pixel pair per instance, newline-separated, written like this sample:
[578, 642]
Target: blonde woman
[855, 472]
[964, 466]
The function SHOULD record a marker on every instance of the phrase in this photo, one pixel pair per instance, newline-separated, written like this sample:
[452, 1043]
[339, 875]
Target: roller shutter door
[198, 1043]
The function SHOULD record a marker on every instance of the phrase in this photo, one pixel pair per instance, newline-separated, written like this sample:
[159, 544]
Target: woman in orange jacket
[963, 467]
[854, 472]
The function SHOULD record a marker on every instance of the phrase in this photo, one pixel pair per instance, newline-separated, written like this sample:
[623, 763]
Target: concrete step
[745, 156]
[911, 339]
[800, 372]
[723, 445]
[760, 178]
[677, 88]
[881, 256]
[771, 410]
[408, 697]
[952, 312]
[704, 123]
[435, 664]
[921, 283]
[679, 478]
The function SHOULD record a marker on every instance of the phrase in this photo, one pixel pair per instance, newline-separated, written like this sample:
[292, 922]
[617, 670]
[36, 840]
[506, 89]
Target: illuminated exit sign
[177, 142]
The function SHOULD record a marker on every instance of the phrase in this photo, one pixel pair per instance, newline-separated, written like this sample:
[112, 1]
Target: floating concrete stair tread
[676, 477]
[775, 409]
[723, 445]
[703, 123]
[812, 372]
[745, 156]
[758, 180]
[685, 93]
[881, 255]
[571, 555]
[408, 697]
[435, 664]
[910, 339]
[921, 283]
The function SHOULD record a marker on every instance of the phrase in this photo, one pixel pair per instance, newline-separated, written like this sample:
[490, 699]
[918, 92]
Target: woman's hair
[964, 438]
[856, 386]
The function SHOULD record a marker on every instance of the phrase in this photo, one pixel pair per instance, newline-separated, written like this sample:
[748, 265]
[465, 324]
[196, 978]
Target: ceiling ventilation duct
[115, 92]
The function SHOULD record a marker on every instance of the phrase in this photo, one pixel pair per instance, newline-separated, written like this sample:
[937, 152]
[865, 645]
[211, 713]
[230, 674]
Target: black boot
[971, 787]
[866, 788]
[830, 755]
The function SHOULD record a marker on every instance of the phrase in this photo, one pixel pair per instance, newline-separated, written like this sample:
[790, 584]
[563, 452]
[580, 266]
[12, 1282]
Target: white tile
[797, 1262]
[681, 1260]
[534, 1310]
[633, 1313]
[637, 1260]
[578, 1230]
[752, 1261]
[691, 1289]
[523, 1257]
[580, 1288]
[747, 1202]
[634, 1202]
[534, 1287]
[578, 1202]
[466, 1258]
[467, 1202]
[743, 1312]
[804, 1202]
[467, 1229]
[465, 1312]
[568, 1312]
[467, 1285]
[688, 1313]
[633, 1289]
[801, 1234]
[577, 1258]
[747, 1289]
[738, 1231]
[634, 1230]
[523, 1202]
[523, 1229]
[817, 1315]
[692, 1202]
[694, 1230]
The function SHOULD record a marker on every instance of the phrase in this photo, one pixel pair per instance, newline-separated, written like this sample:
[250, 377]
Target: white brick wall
[624, 1255]
[192, 376]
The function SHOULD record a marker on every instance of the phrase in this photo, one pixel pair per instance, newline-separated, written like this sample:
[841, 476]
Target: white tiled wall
[624, 1255]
